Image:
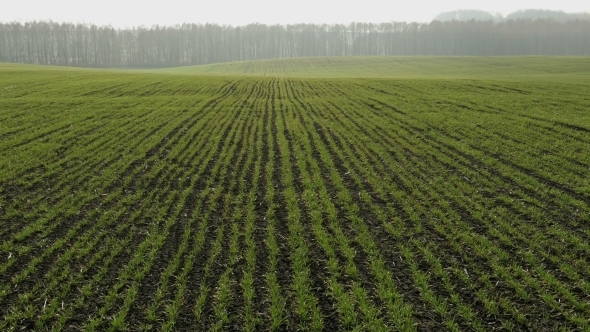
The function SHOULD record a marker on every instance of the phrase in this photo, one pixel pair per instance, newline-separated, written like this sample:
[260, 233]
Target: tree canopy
[89, 45]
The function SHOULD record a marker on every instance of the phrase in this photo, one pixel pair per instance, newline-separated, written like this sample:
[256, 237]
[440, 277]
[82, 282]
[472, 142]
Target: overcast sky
[128, 13]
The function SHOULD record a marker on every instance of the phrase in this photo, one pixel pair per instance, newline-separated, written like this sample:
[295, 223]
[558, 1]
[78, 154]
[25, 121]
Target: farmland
[311, 194]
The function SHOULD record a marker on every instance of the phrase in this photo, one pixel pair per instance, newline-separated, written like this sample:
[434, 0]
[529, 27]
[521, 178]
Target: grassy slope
[508, 68]
[566, 69]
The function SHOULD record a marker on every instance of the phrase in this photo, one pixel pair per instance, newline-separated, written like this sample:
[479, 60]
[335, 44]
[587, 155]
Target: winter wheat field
[366, 194]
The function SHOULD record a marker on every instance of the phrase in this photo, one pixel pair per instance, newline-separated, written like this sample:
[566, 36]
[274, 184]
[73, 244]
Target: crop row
[270, 203]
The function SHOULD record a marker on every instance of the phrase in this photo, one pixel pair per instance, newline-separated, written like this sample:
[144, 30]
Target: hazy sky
[122, 13]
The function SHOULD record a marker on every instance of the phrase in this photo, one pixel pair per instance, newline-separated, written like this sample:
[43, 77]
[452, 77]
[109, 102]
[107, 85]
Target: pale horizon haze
[123, 14]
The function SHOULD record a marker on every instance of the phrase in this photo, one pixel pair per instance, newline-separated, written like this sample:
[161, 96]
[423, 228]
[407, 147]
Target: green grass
[315, 194]
[496, 68]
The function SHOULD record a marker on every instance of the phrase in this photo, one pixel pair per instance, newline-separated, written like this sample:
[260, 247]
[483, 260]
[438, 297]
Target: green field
[502, 68]
[366, 194]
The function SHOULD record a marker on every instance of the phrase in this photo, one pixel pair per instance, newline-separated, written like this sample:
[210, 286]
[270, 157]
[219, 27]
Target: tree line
[87, 45]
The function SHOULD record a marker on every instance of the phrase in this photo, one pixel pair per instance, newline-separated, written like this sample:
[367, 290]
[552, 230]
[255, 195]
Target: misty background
[462, 32]
[135, 13]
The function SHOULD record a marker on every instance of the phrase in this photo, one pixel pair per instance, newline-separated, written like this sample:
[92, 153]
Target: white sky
[128, 13]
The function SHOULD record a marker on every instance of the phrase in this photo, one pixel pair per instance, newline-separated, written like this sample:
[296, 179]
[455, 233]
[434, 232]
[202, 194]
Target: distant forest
[530, 14]
[88, 45]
